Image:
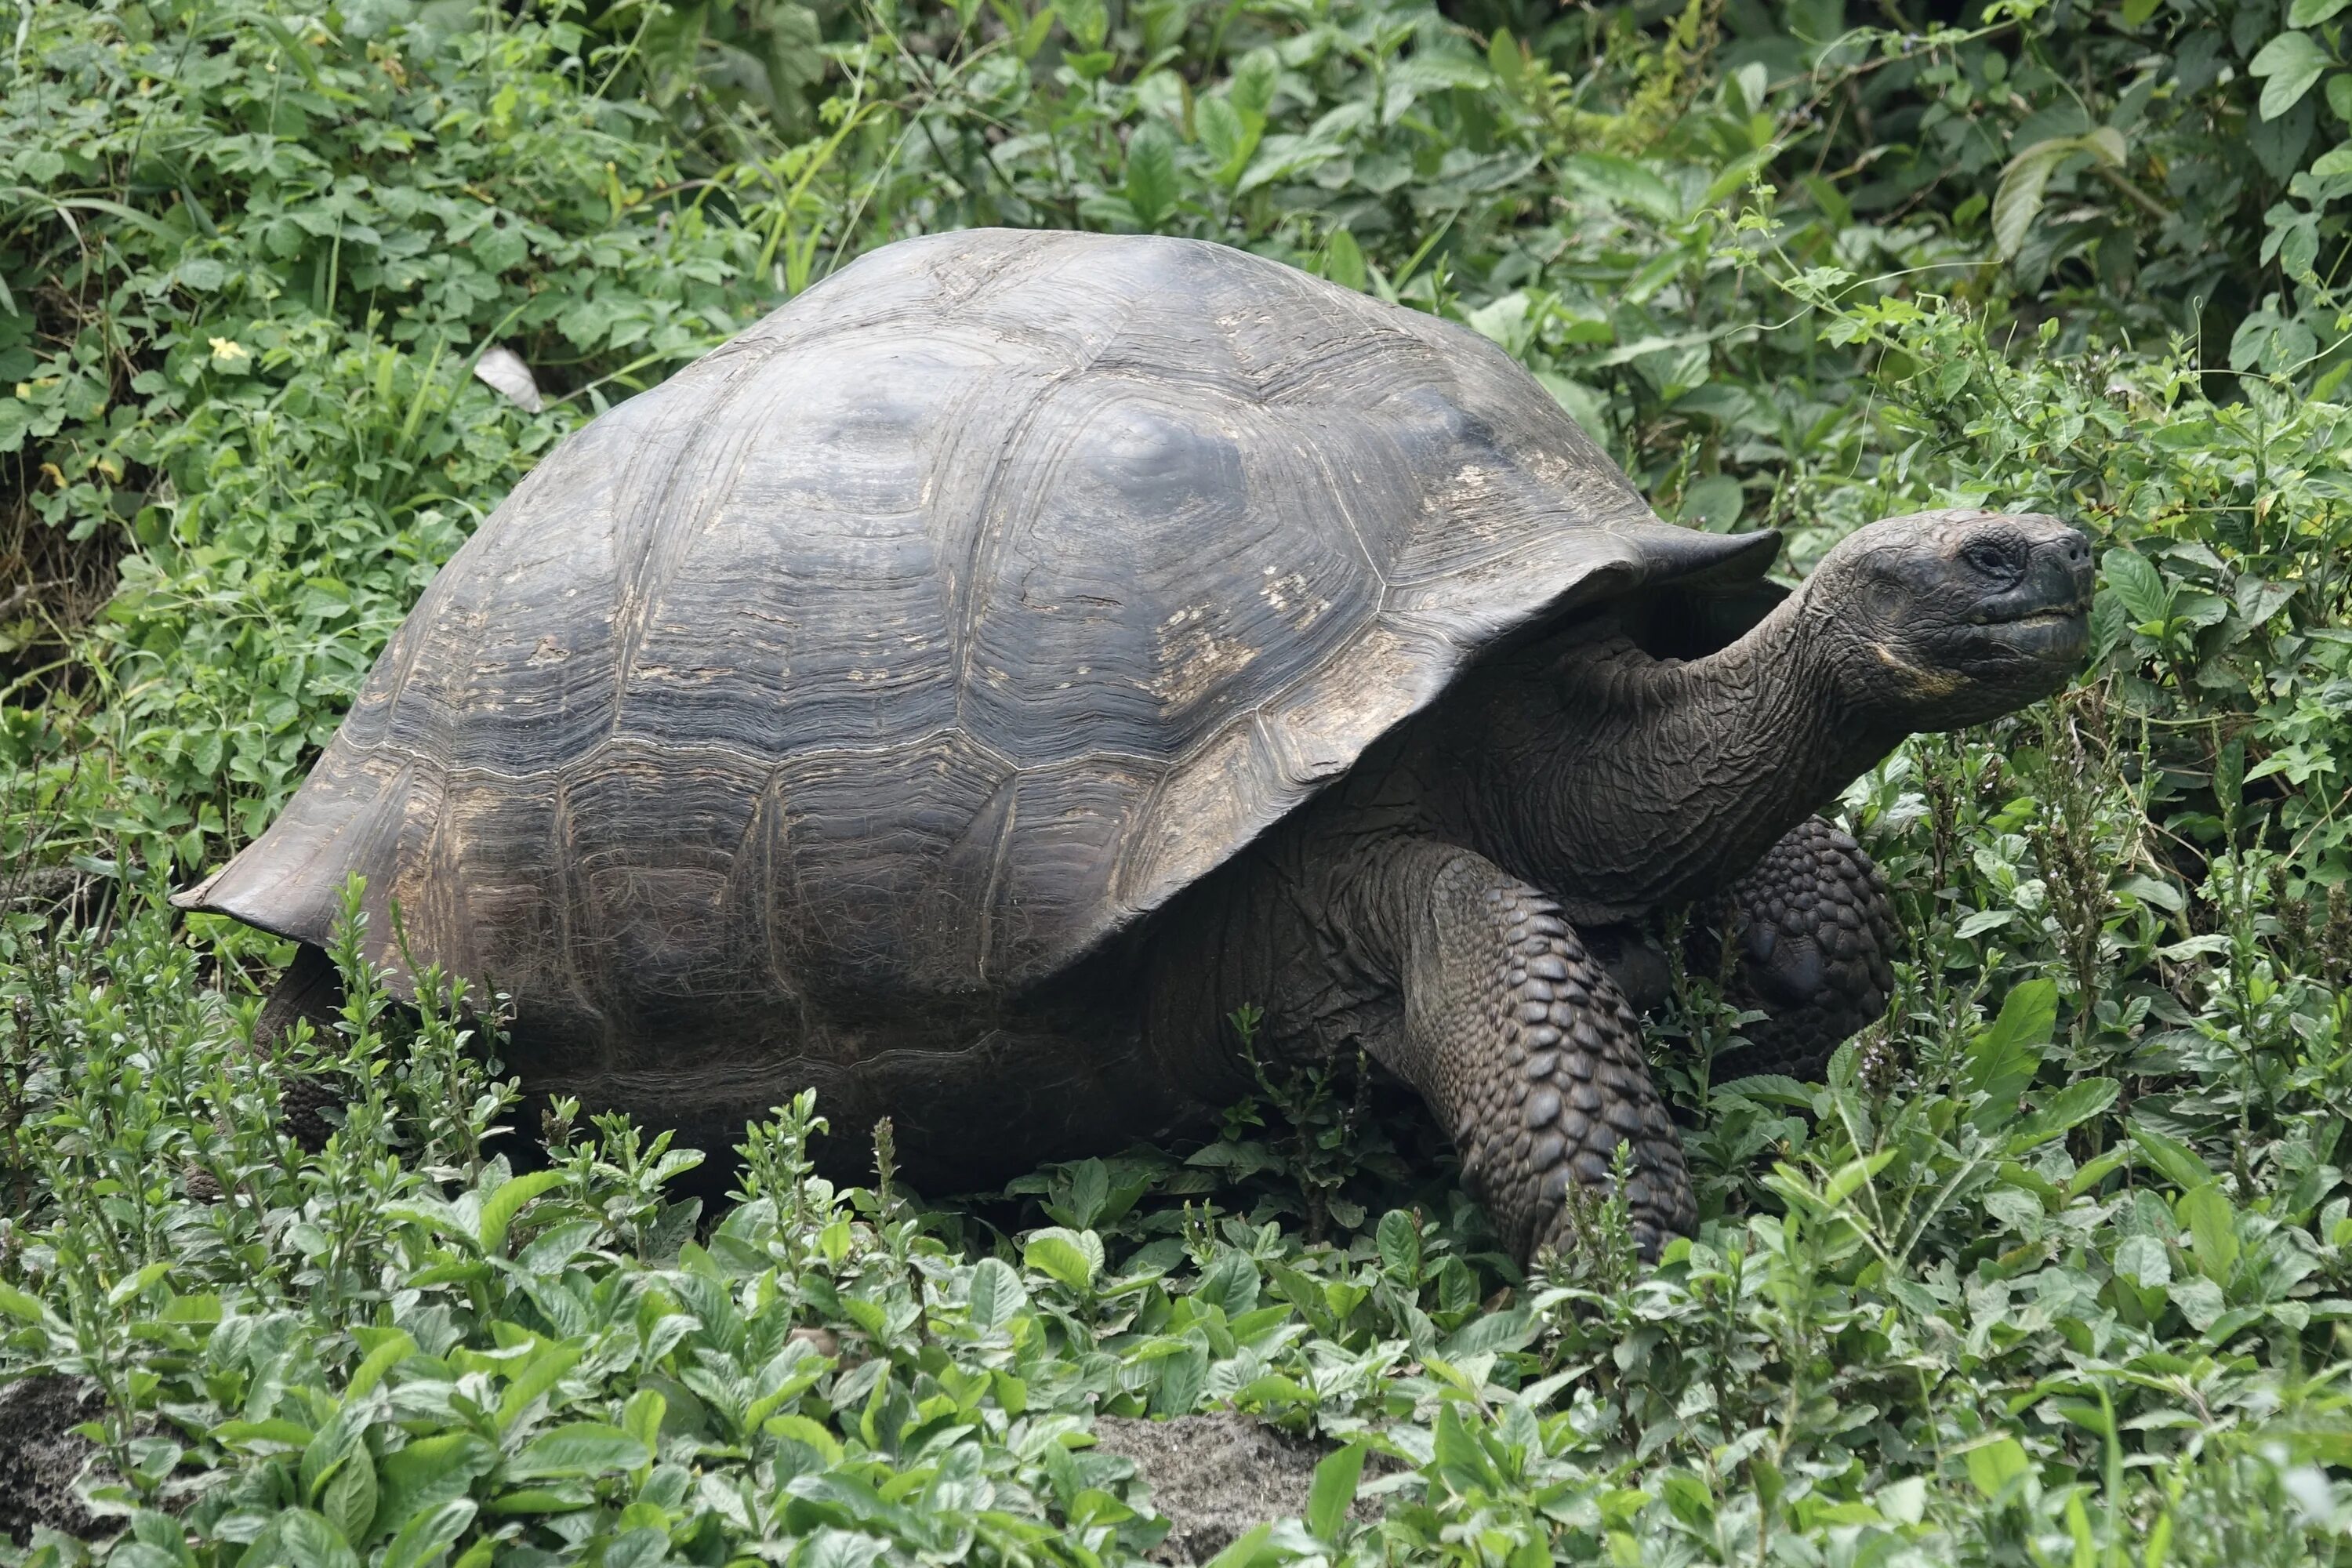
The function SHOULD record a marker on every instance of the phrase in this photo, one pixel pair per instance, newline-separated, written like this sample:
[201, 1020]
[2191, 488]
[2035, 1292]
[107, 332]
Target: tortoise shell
[938, 628]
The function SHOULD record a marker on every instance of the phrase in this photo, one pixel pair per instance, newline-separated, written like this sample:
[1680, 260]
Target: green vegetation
[2057, 1265]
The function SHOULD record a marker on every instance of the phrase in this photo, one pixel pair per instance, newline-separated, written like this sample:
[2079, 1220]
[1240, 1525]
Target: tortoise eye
[1990, 558]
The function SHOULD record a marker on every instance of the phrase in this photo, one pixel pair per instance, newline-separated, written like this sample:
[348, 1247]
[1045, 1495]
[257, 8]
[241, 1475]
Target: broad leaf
[1400, 1243]
[2002, 1058]
[583, 1449]
[427, 1473]
[2286, 67]
[1336, 1478]
[2068, 1109]
[1152, 192]
[2018, 200]
[2212, 1229]
[1993, 1466]
[1624, 183]
[996, 1294]
[499, 1210]
[2177, 1162]
[427, 1535]
[2139, 585]
[312, 1542]
[1064, 1256]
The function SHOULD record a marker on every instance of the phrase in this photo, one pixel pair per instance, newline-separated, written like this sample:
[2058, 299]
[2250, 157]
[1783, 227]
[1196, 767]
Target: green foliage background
[2054, 1267]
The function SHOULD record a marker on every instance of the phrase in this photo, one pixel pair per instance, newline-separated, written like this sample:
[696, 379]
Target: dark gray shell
[961, 612]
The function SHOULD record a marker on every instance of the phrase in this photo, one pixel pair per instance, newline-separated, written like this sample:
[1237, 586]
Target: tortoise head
[1943, 619]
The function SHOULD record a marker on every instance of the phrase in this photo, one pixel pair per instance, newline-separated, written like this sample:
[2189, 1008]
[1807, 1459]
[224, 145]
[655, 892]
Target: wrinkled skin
[1466, 905]
[1433, 907]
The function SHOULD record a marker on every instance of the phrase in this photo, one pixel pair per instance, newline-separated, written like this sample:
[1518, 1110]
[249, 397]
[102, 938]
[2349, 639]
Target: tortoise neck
[1661, 780]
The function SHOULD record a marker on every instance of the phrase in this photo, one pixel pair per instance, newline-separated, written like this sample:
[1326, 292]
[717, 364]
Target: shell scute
[937, 627]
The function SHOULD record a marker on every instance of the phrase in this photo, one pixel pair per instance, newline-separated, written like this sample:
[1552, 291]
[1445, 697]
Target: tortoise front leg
[1516, 1038]
[1812, 932]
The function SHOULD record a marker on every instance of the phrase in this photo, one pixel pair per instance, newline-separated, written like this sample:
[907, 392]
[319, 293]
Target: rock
[1216, 1477]
[40, 1457]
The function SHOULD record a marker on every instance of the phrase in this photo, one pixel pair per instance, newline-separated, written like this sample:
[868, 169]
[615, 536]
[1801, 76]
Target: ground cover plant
[2055, 1266]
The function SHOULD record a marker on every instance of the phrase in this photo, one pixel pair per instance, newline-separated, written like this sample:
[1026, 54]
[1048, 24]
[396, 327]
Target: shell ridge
[658, 550]
[987, 548]
[1018, 829]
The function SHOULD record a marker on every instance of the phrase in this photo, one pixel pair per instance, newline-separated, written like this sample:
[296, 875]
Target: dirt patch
[1216, 1477]
[40, 1457]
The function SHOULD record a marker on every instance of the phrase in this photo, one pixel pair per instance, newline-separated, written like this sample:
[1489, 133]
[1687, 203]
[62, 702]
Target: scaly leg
[309, 989]
[1812, 932]
[1516, 1038]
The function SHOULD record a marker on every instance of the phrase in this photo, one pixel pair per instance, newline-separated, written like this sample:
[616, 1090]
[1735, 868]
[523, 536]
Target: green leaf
[380, 1360]
[18, 1304]
[2068, 1109]
[1248, 1550]
[1714, 503]
[312, 1542]
[996, 1294]
[134, 1285]
[642, 1417]
[536, 1376]
[583, 1449]
[349, 1499]
[1343, 261]
[1032, 34]
[1334, 1490]
[2002, 1060]
[344, 1434]
[1152, 192]
[1993, 1466]
[499, 1210]
[2017, 201]
[276, 1434]
[831, 1548]
[2258, 601]
[2286, 67]
[1399, 1244]
[1256, 74]
[802, 1429]
[1624, 183]
[2088, 1178]
[2311, 12]
[1506, 60]
[2212, 1229]
[2175, 1160]
[2139, 585]
[429, 1472]
[1087, 20]
[427, 1535]
[1854, 1175]
[1064, 1256]
[1227, 141]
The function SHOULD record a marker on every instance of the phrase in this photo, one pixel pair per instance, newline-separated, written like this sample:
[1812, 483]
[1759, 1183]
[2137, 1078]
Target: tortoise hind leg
[1518, 1039]
[1812, 932]
[310, 988]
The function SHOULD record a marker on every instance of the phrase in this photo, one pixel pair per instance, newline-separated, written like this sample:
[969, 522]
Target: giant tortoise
[965, 689]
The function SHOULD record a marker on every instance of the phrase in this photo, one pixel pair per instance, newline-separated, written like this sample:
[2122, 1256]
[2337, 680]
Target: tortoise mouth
[2073, 614]
[2046, 615]
[2051, 633]
[2048, 640]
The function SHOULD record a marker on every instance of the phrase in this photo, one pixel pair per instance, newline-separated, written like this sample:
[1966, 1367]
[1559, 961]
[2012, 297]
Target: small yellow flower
[229, 351]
